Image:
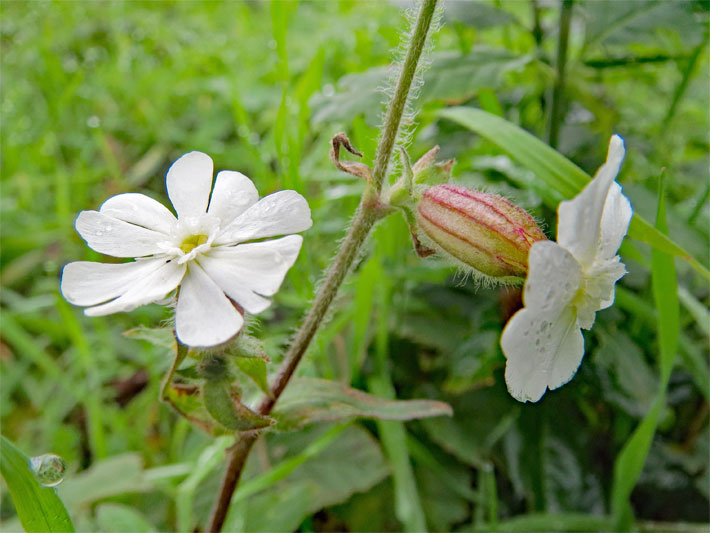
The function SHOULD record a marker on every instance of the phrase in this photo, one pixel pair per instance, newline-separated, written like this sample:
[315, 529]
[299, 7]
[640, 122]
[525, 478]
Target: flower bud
[484, 231]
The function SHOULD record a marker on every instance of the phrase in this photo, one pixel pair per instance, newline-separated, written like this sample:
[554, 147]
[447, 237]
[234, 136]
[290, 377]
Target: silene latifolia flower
[568, 282]
[481, 230]
[210, 250]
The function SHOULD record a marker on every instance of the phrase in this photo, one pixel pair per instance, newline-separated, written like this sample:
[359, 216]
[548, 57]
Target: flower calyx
[415, 178]
[483, 231]
[222, 396]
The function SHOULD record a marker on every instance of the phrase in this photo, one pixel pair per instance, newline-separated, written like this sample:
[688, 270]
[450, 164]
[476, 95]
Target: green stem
[368, 212]
[180, 354]
[683, 85]
[560, 65]
[393, 117]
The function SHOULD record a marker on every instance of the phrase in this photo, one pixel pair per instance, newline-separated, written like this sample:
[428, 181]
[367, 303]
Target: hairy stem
[368, 212]
[396, 105]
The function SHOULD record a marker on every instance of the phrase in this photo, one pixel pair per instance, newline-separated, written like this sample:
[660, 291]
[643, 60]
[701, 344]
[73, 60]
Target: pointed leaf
[115, 475]
[255, 368]
[308, 400]
[226, 409]
[116, 518]
[630, 462]
[38, 508]
[159, 336]
[186, 400]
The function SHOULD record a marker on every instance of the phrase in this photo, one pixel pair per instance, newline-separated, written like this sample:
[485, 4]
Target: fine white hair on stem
[399, 53]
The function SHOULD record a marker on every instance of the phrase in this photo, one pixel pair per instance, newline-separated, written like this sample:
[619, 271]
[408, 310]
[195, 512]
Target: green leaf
[451, 77]
[308, 400]
[187, 401]
[38, 508]
[481, 417]
[611, 22]
[284, 468]
[255, 368]
[113, 476]
[394, 439]
[228, 410]
[629, 464]
[456, 77]
[210, 457]
[552, 522]
[627, 380]
[477, 14]
[329, 467]
[117, 518]
[560, 177]
[697, 310]
[159, 336]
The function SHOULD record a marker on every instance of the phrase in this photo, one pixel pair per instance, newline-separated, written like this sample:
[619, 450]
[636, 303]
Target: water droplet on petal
[48, 469]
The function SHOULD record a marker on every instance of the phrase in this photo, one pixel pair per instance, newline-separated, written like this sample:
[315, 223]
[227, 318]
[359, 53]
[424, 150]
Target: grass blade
[393, 434]
[38, 508]
[630, 462]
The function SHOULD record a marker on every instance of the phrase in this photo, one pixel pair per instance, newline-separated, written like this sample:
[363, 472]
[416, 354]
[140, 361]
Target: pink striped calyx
[484, 231]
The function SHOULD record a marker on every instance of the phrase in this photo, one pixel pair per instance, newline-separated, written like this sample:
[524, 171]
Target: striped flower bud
[484, 231]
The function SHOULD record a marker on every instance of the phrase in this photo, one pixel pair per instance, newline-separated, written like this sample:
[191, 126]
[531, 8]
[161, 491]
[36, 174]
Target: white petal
[88, 283]
[148, 289]
[281, 213]
[615, 221]
[140, 210]
[542, 350]
[234, 286]
[233, 194]
[189, 182]
[554, 277]
[598, 289]
[205, 317]
[108, 235]
[261, 266]
[580, 219]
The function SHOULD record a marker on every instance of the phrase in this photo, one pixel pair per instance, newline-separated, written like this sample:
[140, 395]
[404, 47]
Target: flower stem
[368, 212]
[180, 353]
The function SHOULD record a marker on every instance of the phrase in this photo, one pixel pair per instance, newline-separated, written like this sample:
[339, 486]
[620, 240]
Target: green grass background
[98, 98]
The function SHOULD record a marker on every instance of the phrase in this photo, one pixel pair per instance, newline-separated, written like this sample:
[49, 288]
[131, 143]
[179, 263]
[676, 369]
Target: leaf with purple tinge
[308, 400]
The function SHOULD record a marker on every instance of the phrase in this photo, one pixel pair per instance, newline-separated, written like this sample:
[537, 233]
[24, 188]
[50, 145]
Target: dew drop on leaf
[48, 469]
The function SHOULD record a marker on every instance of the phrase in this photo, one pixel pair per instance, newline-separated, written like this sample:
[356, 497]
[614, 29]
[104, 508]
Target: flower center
[192, 241]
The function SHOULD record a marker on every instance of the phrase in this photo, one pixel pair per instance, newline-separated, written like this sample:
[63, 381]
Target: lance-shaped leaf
[228, 410]
[163, 337]
[308, 400]
[185, 398]
[248, 355]
[38, 508]
[255, 368]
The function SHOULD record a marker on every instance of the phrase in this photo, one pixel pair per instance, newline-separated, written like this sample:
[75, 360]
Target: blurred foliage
[99, 99]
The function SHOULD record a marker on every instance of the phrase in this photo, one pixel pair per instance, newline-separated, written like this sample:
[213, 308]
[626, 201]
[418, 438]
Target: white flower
[206, 250]
[567, 283]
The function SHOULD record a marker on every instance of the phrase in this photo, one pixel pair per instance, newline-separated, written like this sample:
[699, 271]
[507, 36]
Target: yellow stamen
[192, 241]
